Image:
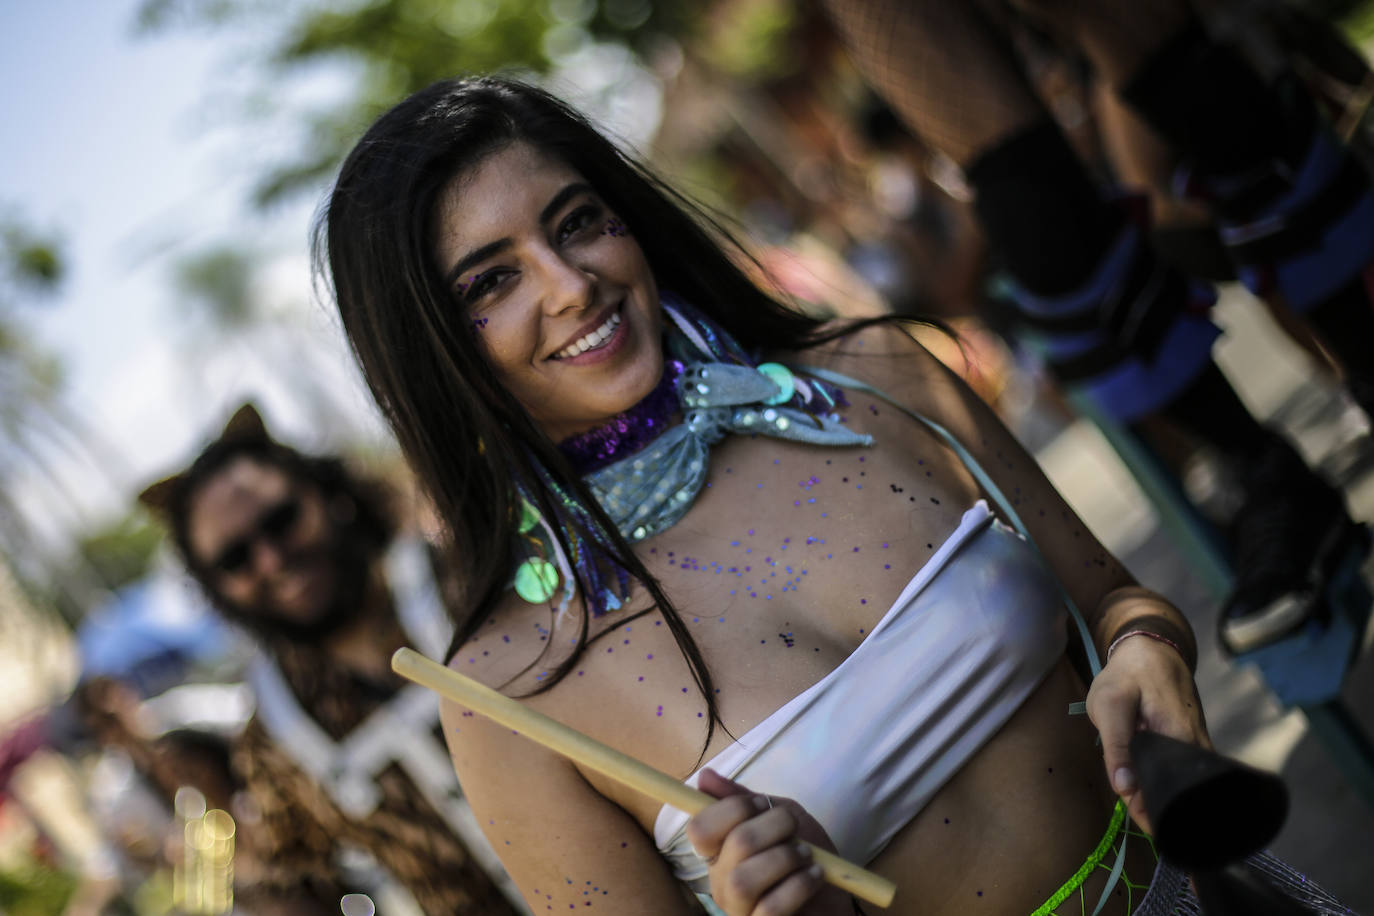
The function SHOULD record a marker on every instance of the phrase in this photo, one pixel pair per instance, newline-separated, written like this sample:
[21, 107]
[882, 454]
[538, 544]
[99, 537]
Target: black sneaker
[1288, 537]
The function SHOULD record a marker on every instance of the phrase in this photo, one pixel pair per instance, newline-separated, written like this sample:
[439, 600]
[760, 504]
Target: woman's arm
[564, 844]
[1148, 681]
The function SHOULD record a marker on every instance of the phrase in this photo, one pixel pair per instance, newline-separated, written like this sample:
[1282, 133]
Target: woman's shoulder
[512, 642]
[886, 355]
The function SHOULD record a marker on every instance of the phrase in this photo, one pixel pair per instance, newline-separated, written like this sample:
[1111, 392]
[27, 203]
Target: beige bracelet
[1150, 633]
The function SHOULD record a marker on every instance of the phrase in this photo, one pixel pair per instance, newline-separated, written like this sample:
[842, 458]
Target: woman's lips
[606, 349]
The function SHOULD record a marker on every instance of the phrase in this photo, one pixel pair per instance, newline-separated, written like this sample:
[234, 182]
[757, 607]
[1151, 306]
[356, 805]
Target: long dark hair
[467, 438]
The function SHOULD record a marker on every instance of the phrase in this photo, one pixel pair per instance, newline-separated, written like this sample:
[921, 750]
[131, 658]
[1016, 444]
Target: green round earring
[535, 580]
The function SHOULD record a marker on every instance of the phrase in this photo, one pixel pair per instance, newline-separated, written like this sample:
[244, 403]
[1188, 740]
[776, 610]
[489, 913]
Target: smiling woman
[698, 525]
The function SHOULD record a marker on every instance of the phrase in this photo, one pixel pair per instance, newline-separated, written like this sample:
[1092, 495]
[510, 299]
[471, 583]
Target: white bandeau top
[864, 749]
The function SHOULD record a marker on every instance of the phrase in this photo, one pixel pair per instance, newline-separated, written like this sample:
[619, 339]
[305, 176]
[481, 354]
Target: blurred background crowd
[164, 161]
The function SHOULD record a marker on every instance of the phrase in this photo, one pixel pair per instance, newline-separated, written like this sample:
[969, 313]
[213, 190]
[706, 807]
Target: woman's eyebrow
[561, 198]
[475, 257]
[555, 204]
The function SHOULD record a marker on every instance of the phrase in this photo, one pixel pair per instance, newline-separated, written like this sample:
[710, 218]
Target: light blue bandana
[649, 491]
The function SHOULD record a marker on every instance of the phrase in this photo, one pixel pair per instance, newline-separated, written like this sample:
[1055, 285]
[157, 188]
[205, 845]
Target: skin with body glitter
[568, 893]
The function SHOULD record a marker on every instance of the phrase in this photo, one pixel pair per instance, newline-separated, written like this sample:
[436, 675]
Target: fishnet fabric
[944, 66]
[1134, 890]
[1171, 894]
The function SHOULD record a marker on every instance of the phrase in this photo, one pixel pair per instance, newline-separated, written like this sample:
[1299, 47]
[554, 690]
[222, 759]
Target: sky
[130, 148]
[136, 151]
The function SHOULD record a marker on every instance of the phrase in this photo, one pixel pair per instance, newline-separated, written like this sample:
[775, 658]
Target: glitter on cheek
[479, 323]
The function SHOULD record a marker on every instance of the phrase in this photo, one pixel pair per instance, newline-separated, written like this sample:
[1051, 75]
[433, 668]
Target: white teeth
[592, 340]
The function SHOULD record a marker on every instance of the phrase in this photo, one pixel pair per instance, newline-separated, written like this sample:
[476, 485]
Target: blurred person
[305, 556]
[139, 770]
[98, 727]
[1121, 326]
[133, 770]
[201, 760]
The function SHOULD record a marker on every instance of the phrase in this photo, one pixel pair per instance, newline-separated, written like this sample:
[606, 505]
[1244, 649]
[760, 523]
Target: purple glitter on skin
[626, 432]
[479, 323]
[615, 228]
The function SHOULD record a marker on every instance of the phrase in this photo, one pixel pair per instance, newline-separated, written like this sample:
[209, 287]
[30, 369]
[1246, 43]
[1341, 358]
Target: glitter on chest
[764, 565]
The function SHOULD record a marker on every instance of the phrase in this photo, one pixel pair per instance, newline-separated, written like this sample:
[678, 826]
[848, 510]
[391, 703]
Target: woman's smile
[600, 343]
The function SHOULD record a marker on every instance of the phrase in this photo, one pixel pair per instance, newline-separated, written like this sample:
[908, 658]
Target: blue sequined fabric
[645, 471]
[649, 491]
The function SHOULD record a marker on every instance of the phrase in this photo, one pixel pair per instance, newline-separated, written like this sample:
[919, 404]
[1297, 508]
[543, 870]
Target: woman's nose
[568, 285]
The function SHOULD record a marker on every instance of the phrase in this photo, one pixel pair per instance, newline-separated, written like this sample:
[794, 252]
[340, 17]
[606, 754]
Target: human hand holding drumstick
[596, 756]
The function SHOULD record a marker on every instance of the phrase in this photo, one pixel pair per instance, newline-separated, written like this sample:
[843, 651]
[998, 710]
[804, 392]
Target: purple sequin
[627, 432]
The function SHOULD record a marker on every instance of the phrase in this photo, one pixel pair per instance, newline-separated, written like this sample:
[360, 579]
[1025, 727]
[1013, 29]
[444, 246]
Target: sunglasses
[273, 525]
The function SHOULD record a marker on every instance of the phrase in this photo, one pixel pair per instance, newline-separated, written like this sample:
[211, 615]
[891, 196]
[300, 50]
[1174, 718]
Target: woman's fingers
[763, 881]
[759, 865]
[1115, 710]
[717, 786]
[708, 829]
[790, 895]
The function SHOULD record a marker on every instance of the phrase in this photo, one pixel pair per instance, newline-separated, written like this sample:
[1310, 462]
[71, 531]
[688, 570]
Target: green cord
[1076, 881]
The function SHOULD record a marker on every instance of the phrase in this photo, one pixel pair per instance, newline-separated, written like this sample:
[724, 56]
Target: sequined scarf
[646, 471]
[721, 391]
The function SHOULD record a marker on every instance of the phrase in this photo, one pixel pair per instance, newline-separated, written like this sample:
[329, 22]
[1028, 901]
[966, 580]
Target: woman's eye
[580, 219]
[478, 285]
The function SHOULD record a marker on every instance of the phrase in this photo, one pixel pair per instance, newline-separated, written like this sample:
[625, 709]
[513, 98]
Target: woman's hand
[1145, 686]
[752, 844]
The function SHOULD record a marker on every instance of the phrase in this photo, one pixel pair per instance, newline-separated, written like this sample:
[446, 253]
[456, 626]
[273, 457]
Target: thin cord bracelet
[1150, 633]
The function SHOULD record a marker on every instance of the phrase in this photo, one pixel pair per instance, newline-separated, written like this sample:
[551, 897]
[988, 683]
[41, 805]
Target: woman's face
[560, 296]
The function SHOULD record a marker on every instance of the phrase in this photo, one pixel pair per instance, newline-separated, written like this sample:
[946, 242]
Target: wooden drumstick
[594, 755]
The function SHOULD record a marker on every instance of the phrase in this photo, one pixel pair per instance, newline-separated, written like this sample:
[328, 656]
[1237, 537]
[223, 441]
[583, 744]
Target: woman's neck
[629, 431]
